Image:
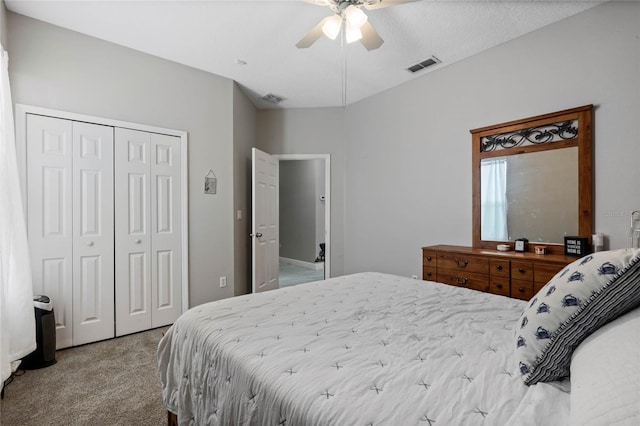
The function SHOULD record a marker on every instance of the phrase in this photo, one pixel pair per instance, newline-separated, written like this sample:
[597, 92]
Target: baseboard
[314, 266]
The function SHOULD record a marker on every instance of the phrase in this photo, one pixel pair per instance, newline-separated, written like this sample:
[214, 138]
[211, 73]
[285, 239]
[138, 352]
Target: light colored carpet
[293, 275]
[114, 382]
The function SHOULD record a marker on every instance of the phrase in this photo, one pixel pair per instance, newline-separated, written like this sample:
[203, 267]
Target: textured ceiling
[215, 35]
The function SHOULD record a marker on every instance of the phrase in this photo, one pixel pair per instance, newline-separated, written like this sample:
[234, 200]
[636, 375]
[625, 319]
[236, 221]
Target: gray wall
[408, 175]
[60, 69]
[244, 138]
[312, 131]
[3, 25]
[298, 210]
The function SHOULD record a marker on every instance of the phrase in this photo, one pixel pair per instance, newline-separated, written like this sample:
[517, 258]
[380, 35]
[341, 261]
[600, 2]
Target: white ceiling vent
[424, 64]
[274, 99]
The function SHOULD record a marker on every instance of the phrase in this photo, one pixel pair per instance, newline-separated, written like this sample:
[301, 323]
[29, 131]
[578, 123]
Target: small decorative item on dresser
[576, 246]
[541, 249]
[503, 247]
[521, 244]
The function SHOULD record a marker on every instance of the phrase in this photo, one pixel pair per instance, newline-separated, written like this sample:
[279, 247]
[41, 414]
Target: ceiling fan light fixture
[355, 16]
[331, 27]
[352, 33]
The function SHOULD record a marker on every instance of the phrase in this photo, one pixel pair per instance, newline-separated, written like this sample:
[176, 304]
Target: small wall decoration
[210, 183]
[576, 246]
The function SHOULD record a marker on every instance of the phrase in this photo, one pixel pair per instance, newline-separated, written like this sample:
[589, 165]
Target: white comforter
[363, 349]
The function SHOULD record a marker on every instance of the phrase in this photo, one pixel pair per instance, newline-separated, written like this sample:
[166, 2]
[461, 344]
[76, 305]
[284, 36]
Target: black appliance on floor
[45, 353]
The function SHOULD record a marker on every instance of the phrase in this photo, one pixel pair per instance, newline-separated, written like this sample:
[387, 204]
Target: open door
[265, 233]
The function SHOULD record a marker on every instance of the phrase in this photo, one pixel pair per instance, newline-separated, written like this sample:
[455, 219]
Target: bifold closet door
[148, 236]
[70, 224]
[93, 233]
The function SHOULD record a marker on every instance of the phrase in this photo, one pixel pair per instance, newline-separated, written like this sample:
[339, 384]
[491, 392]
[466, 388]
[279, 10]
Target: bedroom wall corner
[311, 131]
[408, 172]
[61, 69]
[244, 138]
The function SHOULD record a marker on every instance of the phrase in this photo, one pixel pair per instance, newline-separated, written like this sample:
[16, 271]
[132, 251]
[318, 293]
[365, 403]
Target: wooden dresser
[513, 274]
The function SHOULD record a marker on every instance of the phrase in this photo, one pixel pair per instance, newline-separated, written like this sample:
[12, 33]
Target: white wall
[60, 69]
[408, 171]
[311, 131]
[244, 138]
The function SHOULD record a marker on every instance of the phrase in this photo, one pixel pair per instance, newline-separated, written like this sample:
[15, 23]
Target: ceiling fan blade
[312, 36]
[384, 3]
[370, 38]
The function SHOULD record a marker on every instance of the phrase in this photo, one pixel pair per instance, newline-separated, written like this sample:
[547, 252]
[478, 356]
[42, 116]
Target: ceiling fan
[355, 21]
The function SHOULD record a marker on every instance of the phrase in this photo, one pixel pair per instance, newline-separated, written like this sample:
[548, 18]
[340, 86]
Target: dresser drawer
[543, 272]
[429, 258]
[522, 289]
[429, 273]
[501, 286]
[499, 268]
[522, 271]
[461, 262]
[464, 279]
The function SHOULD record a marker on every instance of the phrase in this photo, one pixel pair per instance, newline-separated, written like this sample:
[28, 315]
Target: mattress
[362, 349]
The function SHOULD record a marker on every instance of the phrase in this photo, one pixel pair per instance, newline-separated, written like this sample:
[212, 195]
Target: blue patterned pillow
[585, 295]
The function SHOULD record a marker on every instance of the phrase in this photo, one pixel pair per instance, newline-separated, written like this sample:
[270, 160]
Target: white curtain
[17, 323]
[493, 199]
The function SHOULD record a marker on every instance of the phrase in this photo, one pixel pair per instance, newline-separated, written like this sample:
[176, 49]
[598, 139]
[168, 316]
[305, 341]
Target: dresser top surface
[512, 255]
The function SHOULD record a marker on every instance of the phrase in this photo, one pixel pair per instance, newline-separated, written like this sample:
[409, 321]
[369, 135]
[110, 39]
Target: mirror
[532, 179]
[533, 196]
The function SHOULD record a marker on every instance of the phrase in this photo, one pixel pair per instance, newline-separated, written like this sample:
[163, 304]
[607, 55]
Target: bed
[364, 349]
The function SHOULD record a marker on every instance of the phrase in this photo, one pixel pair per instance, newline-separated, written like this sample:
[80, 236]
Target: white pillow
[605, 375]
[581, 298]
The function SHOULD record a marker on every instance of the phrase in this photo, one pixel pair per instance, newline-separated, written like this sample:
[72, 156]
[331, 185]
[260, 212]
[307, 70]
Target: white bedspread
[363, 349]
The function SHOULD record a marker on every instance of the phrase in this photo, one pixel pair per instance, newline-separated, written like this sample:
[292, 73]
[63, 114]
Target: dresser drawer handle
[428, 258]
[429, 274]
[499, 286]
[461, 263]
[521, 290]
[521, 270]
[461, 282]
[499, 267]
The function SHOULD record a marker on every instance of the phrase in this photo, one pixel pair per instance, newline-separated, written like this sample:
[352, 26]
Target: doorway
[304, 218]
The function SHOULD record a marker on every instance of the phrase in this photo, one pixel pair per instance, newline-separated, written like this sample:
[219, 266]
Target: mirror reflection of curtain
[493, 199]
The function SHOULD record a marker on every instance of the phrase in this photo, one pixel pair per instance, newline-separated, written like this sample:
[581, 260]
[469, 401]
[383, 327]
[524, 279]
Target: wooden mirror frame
[511, 131]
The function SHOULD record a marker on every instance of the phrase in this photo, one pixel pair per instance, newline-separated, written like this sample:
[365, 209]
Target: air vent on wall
[424, 64]
[274, 99]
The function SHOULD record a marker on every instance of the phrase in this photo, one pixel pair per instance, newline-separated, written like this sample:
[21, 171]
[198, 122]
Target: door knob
[90, 243]
[138, 241]
[258, 234]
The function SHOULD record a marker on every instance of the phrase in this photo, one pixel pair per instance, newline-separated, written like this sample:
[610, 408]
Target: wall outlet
[223, 282]
[415, 277]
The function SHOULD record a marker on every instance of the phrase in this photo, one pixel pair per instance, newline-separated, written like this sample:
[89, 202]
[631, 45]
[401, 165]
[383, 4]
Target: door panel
[265, 221]
[93, 245]
[133, 240]
[49, 216]
[166, 217]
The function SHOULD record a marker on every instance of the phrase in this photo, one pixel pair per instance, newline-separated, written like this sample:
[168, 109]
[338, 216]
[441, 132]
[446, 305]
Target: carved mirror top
[562, 129]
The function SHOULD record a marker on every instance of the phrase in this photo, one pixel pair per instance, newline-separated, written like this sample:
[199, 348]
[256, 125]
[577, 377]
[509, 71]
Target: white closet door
[133, 229]
[93, 246]
[166, 293]
[49, 216]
